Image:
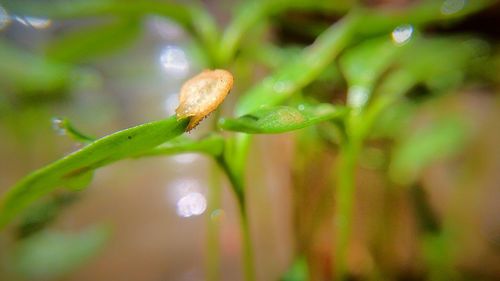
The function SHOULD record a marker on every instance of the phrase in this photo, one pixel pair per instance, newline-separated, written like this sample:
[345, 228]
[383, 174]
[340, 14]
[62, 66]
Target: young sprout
[202, 94]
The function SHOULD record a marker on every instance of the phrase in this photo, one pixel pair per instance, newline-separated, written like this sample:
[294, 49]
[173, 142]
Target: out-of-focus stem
[249, 270]
[344, 194]
[213, 262]
[237, 185]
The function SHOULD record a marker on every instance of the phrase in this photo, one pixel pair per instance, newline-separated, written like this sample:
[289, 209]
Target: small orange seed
[202, 94]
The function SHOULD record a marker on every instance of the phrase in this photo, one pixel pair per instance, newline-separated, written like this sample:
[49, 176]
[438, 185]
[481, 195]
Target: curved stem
[238, 188]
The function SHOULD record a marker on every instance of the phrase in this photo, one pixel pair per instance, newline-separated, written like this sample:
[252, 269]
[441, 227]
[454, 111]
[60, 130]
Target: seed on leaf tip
[202, 94]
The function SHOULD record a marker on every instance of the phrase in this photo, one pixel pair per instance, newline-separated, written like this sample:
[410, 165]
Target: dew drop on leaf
[59, 125]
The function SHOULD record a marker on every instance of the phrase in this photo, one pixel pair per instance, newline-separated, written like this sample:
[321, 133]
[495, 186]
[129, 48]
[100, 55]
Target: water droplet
[282, 86]
[301, 107]
[217, 215]
[59, 125]
[452, 6]
[181, 187]
[192, 204]
[402, 34]
[357, 96]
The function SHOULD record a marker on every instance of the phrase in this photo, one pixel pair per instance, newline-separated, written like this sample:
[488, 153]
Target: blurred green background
[419, 83]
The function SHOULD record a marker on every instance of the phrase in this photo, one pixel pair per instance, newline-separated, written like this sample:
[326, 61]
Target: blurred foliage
[297, 272]
[38, 216]
[349, 81]
[422, 147]
[50, 255]
[93, 41]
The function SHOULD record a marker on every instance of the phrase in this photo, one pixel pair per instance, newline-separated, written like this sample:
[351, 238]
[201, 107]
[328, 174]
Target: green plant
[379, 73]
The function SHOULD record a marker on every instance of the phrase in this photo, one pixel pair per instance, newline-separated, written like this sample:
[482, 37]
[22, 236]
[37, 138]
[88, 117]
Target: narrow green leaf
[43, 212]
[111, 148]
[211, 145]
[81, 44]
[420, 14]
[302, 70]
[364, 64]
[62, 9]
[30, 72]
[420, 148]
[64, 126]
[50, 255]
[240, 24]
[421, 57]
[262, 9]
[281, 119]
[417, 65]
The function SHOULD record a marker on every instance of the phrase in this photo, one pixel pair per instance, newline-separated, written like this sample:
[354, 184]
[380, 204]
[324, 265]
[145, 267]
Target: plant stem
[213, 243]
[344, 200]
[248, 265]
[237, 186]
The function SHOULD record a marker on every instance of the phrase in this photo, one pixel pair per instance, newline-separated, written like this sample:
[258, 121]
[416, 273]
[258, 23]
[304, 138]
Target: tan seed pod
[202, 94]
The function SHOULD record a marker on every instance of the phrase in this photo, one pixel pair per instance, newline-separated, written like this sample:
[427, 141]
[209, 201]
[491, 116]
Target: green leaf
[439, 252]
[64, 126]
[243, 21]
[417, 65]
[299, 271]
[30, 72]
[301, 71]
[84, 43]
[50, 255]
[80, 181]
[211, 145]
[364, 64]
[422, 147]
[421, 57]
[420, 14]
[62, 9]
[279, 119]
[38, 216]
[106, 150]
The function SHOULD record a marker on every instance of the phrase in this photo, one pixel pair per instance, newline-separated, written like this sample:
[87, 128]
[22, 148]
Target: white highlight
[37, 23]
[192, 204]
[357, 96]
[171, 103]
[402, 34]
[282, 86]
[174, 61]
[185, 158]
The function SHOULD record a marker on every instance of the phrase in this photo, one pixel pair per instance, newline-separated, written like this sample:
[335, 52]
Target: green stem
[248, 265]
[344, 196]
[237, 185]
[213, 242]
